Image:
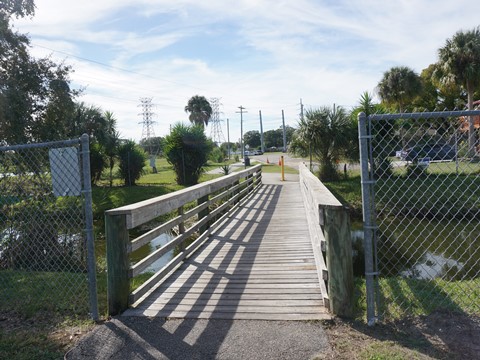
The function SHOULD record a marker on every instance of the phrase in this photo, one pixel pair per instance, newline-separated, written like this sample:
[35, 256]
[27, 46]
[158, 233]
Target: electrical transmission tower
[147, 113]
[216, 130]
[147, 129]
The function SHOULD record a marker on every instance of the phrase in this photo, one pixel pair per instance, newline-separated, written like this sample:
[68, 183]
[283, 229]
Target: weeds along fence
[421, 204]
[46, 233]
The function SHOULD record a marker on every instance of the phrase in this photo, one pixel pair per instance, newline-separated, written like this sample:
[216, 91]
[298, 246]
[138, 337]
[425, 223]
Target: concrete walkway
[126, 338]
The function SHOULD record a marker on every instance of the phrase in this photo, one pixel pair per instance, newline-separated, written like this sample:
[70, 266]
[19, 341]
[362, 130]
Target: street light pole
[241, 128]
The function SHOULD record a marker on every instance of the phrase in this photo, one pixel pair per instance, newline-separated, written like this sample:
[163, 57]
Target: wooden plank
[294, 316]
[258, 265]
[173, 296]
[160, 303]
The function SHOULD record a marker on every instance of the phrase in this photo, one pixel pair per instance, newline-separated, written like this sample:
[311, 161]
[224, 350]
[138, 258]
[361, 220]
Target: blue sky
[261, 54]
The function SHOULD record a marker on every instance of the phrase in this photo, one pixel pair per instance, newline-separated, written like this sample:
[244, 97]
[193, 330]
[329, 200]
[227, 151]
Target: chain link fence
[421, 204]
[46, 237]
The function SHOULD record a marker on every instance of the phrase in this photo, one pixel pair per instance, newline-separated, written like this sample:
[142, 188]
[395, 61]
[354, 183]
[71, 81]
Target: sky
[264, 55]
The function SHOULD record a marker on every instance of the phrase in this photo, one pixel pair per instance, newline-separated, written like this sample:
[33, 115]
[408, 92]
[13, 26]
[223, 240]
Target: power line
[114, 67]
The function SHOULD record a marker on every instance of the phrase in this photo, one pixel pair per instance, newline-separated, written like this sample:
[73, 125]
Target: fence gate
[46, 228]
[421, 211]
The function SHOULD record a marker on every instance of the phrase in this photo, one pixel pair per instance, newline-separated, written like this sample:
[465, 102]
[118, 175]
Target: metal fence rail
[421, 207]
[46, 234]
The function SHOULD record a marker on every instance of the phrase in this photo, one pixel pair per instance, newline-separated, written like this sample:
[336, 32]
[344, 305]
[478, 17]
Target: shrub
[187, 149]
[217, 155]
[132, 161]
[97, 162]
[226, 169]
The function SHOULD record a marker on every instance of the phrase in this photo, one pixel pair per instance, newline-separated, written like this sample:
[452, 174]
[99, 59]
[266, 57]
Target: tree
[35, 96]
[459, 63]
[399, 86]
[187, 149]
[153, 145]
[111, 142]
[17, 8]
[252, 138]
[382, 141]
[328, 131]
[132, 161]
[199, 109]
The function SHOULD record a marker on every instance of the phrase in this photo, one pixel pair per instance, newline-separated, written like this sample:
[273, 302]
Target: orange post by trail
[282, 164]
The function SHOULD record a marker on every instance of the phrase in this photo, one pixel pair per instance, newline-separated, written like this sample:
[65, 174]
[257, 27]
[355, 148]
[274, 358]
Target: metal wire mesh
[424, 180]
[43, 252]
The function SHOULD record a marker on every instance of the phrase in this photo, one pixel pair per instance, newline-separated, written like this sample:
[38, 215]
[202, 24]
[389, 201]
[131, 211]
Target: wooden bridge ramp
[258, 265]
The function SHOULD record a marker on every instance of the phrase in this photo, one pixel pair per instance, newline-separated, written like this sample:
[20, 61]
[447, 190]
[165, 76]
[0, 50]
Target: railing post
[117, 263]
[336, 222]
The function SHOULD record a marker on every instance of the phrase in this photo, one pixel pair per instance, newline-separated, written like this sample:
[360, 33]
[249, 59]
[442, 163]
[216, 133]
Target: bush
[217, 155]
[97, 162]
[132, 161]
[187, 149]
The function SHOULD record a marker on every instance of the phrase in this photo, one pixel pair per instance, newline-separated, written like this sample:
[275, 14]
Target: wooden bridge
[257, 254]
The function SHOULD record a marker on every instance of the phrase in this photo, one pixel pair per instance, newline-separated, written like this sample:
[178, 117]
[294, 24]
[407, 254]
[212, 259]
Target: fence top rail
[424, 115]
[51, 144]
[318, 192]
[143, 211]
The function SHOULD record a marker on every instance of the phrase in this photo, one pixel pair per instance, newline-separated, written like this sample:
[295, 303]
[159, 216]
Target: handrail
[214, 201]
[329, 226]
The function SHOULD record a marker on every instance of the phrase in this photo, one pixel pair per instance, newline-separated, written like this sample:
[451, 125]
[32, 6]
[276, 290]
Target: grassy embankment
[40, 320]
[442, 195]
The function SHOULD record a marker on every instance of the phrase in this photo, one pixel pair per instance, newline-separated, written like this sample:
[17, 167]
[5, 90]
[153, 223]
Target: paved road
[150, 338]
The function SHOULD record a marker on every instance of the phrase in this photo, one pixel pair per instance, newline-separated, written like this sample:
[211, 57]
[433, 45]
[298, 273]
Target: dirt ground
[441, 335]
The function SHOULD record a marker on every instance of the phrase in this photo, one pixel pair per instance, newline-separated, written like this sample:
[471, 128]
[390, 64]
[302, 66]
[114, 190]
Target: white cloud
[276, 52]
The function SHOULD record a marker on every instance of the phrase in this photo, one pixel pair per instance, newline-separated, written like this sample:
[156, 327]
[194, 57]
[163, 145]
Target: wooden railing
[329, 225]
[213, 200]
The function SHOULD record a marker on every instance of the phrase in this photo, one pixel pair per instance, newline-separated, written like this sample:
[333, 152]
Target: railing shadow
[232, 237]
[237, 243]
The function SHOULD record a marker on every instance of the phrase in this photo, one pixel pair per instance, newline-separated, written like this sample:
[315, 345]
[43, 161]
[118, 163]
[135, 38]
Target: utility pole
[262, 144]
[284, 133]
[241, 112]
[228, 139]
[301, 110]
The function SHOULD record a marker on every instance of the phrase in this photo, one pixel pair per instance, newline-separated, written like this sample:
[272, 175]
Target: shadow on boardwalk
[140, 337]
[154, 338]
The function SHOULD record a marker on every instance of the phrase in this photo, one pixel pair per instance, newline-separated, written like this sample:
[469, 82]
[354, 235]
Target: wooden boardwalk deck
[258, 265]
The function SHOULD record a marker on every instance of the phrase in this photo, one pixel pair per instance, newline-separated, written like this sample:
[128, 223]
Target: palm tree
[399, 86]
[112, 141]
[199, 109]
[327, 131]
[459, 63]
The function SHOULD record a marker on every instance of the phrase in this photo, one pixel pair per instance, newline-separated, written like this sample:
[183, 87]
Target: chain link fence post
[87, 193]
[367, 204]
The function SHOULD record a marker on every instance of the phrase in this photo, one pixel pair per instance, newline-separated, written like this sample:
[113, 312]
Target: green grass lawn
[51, 309]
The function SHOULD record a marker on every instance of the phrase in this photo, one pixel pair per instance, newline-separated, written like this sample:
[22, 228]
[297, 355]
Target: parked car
[257, 152]
[434, 152]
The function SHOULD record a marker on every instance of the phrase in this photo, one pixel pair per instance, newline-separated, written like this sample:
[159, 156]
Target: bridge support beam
[336, 226]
